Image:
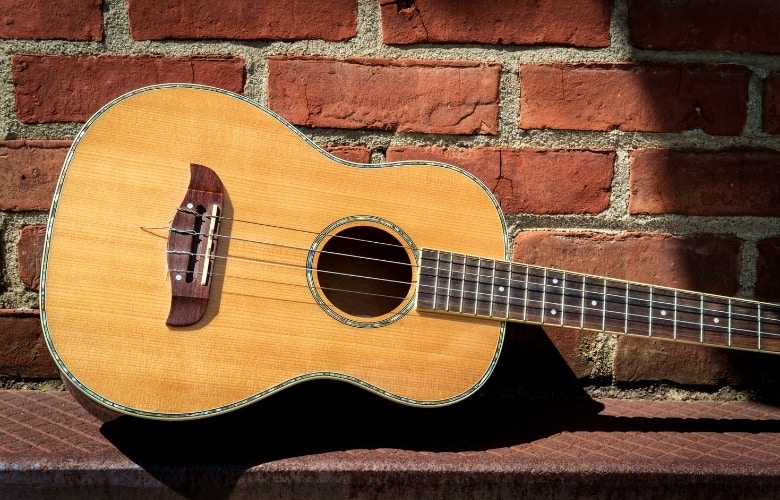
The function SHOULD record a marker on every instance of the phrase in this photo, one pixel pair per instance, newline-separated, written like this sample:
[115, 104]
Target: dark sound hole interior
[364, 271]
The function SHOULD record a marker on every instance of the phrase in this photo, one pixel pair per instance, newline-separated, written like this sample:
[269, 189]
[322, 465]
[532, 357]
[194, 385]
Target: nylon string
[474, 277]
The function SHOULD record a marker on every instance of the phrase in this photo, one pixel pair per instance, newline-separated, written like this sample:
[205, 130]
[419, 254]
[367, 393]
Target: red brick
[771, 114]
[23, 351]
[702, 262]
[537, 361]
[695, 182]
[644, 360]
[71, 89]
[241, 20]
[355, 154]
[744, 26]
[530, 180]
[29, 250]
[768, 270]
[28, 173]
[576, 348]
[635, 97]
[502, 22]
[706, 263]
[51, 19]
[482, 163]
[444, 97]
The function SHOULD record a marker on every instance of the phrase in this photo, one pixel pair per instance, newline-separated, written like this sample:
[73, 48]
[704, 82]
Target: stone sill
[356, 445]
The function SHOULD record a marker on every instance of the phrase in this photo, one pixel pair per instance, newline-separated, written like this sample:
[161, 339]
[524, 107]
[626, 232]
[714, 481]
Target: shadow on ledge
[326, 416]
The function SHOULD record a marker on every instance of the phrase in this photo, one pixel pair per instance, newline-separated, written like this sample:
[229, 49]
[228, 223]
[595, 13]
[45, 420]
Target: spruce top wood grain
[393, 277]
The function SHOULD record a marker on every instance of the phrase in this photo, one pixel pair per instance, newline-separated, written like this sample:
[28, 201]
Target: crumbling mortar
[748, 265]
[116, 26]
[13, 292]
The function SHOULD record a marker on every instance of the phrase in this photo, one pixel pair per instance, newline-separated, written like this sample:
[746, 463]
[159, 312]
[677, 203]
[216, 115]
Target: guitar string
[478, 275]
[692, 324]
[678, 306]
[296, 266]
[221, 218]
[609, 298]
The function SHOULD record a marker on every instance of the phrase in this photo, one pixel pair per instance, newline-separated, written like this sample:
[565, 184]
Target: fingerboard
[507, 291]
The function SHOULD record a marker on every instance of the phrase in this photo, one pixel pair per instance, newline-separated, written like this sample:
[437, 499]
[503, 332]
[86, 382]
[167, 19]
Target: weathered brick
[768, 269]
[635, 97]
[537, 361]
[355, 154]
[530, 180]
[771, 103]
[71, 89]
[241, 20]
[744, 26]
[28, 173]
[29, 250]
[705, 263]
[701, 262]
[642, 360]
[444, 97]
[696, 182]
[502, 22]
[578, 349]
[23, 351]
[482, 163]
[51, 19]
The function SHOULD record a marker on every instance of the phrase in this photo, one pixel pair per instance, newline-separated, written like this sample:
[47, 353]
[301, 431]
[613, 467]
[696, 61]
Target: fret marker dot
[555, 281]
[716, 320]
[663, 313]
[553, 312]
[594, 303]
[501, 289]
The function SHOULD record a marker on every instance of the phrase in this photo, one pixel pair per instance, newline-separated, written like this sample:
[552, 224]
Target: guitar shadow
[206, 458]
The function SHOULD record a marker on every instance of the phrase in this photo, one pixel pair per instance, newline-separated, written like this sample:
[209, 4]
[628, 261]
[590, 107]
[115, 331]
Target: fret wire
[604, 307]
[650, 316]
[479, 282]
[729, 334]
[544, 294]
[492, 289]
[449, 283]
[436, 278]
[582, 308]
[525, 300]
[758, 313]
[563, 296]
[625, 325]
[674, 328]
[509, 291]
[463, 284]
[701, 320]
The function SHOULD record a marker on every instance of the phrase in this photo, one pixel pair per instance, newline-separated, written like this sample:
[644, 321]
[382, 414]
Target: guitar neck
[508, 291]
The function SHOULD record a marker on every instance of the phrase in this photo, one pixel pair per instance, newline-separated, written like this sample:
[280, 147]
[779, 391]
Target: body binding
[106, 287]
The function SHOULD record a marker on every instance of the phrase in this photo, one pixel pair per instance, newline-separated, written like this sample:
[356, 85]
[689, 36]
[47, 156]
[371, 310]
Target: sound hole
[364, 271]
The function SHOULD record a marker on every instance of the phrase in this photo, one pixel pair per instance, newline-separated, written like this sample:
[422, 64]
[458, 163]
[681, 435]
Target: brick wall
[640, 140]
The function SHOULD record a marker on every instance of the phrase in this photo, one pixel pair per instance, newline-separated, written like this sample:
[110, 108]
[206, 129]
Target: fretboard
[509, 291]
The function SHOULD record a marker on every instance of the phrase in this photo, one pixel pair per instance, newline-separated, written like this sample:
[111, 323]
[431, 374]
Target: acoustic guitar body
[202, 254]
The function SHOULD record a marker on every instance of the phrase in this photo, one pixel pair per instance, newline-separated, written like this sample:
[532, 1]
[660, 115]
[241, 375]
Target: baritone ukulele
[202, 254]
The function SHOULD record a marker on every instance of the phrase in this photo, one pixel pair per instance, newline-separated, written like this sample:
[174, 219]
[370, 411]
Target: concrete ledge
[327, 442]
